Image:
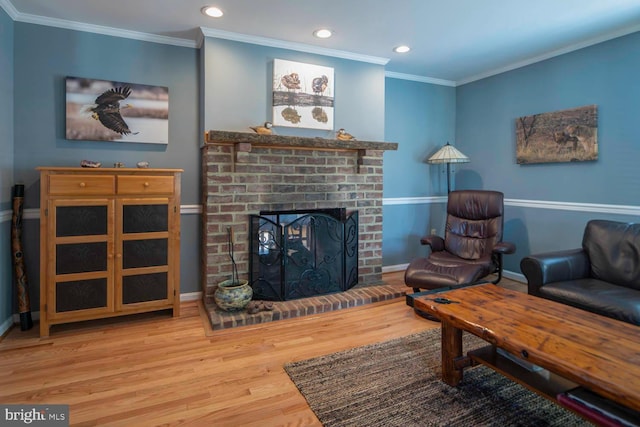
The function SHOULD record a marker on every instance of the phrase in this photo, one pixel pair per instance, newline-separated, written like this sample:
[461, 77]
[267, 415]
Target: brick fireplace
[245, 173]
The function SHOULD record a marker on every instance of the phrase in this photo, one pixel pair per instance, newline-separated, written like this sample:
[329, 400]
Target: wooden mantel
[253, 139]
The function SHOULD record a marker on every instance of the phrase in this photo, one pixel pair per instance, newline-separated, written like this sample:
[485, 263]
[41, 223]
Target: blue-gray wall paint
[6, 164]
[605, 75]
[237, 90]
[44, 56]
[420, 117]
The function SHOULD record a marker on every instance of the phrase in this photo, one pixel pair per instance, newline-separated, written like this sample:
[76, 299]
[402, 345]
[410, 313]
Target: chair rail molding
[536, 204]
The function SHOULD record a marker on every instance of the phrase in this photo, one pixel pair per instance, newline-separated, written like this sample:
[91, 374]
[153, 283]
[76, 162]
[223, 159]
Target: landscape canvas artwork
[561, 136]
[102, 110]
[303, 95]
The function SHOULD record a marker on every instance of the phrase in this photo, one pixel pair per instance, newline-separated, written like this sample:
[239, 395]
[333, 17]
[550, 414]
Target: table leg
[451, 350]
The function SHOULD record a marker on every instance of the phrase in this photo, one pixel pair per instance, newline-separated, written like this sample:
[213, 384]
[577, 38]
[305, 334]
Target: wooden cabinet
[109, 243]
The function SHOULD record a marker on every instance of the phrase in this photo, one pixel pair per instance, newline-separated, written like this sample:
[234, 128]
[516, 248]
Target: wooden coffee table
[573, 346]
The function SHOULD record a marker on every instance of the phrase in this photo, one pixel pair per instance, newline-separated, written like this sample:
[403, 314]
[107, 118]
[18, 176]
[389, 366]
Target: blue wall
[421, 118]
[44, 56]
[238, 77]
[606, 75]
[6, 165]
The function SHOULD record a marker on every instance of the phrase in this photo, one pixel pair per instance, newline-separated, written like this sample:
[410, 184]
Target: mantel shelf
[227, 137]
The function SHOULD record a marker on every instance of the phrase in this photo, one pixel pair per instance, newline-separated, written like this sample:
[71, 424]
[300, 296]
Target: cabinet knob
[146, 184]
[82, 185]
[118, 256]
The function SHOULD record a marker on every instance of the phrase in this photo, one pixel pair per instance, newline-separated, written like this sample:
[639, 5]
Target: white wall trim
[34, 213]
[6, 325]
[394, 268]
[421, 79]
[300, 47]
[629, 210]
[191, 296]
[536, 204]
[413, 200]
[552, 54]
[209, 32]
[6, 215]
[580, 207]
[91, 28]
[190, 209]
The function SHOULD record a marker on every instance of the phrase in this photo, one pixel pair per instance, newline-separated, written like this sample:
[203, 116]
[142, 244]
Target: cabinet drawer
[145, 185]
[79, 185]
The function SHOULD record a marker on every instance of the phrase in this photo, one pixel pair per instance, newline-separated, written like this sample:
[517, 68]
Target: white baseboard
[394, 268]
[191, 296]
[4, 327]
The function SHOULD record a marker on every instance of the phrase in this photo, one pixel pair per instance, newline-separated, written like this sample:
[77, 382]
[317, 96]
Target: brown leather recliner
[472, 247]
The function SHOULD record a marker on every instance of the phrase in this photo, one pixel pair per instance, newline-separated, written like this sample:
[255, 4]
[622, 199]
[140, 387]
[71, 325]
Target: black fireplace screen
[298, 254]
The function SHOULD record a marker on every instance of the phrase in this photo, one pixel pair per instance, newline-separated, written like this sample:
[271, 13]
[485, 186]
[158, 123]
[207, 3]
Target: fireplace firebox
[302, 253]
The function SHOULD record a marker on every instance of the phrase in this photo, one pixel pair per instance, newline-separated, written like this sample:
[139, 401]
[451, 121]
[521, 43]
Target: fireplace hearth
[302, 253]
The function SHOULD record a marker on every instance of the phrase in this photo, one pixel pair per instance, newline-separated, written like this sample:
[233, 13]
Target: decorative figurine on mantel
[342, 135]
[142, 165]
[90, 164]
[264, 129]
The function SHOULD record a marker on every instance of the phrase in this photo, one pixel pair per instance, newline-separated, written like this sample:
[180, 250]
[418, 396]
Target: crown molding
[567, 49]
[98, 29]
[9, 8]
[421, 79]
[300, 47]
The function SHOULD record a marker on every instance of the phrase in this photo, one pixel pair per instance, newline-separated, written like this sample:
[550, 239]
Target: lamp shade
[448, 154]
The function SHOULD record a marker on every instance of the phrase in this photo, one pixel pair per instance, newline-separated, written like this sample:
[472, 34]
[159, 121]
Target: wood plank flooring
[153, 369]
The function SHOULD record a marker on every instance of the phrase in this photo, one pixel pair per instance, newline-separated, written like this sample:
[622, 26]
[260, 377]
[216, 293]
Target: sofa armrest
[504, 248]
[436, 242]
[541, 269]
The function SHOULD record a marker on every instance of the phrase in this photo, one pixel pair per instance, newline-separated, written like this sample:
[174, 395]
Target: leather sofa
[602, 277]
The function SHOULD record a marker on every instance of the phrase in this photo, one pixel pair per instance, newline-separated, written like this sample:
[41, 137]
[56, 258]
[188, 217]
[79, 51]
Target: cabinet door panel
[145, 218]
[81, 257]
[144, 253]
[144, 287]
[81, 220]
[81, 295]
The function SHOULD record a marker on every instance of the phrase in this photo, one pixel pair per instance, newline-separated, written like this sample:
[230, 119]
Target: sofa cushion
[597, 296]
[614, 252]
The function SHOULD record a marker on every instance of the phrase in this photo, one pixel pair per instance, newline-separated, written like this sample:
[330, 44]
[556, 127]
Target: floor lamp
[448, 154]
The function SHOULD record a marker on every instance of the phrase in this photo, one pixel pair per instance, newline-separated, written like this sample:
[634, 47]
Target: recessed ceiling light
[402, 49]
[323, 33]
[212, 11]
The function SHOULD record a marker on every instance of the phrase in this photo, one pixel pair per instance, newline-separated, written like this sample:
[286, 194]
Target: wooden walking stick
[22, 285]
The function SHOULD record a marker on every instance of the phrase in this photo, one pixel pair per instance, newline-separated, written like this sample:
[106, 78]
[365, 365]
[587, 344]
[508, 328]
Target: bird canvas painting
[303, 95]
[101, 110]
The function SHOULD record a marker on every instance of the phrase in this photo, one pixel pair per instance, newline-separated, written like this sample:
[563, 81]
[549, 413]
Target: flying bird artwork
[107, 109]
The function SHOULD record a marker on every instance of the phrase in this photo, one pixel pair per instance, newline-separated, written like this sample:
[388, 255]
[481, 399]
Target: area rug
[397, 383]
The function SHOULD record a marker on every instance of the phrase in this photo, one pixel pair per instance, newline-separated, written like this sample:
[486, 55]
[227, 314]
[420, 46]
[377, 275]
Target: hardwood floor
[153, 370]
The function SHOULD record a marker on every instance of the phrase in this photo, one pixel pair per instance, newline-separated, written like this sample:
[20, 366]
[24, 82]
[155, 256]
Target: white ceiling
[455, 41]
